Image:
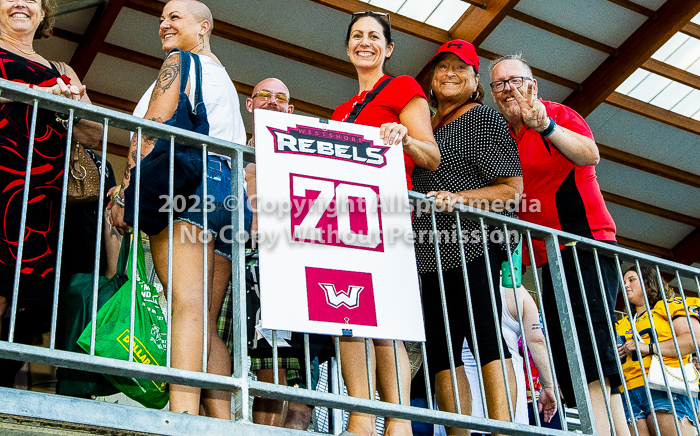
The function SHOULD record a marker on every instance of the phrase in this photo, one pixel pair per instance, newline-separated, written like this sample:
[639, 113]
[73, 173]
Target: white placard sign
[336, 248]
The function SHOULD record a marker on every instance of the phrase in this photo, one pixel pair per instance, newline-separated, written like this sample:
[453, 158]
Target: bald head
[273, 86]
[200, 11]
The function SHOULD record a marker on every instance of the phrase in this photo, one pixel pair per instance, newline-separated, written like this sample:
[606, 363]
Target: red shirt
[385, 108]
[569, 195]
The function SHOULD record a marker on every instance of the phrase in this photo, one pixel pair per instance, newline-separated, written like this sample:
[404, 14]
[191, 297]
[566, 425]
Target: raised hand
[533, 111]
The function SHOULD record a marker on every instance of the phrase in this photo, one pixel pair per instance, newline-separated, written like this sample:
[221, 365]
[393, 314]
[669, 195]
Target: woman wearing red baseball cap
[479, 167]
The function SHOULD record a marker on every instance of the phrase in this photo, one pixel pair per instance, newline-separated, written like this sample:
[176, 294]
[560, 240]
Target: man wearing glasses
[270, 94]
[558, 156]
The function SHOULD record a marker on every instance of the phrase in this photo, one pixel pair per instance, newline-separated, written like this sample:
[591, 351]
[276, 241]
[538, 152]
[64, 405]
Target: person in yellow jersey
[637, 334]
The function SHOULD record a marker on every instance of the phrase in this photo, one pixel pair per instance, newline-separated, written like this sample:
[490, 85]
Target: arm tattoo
[167, 76]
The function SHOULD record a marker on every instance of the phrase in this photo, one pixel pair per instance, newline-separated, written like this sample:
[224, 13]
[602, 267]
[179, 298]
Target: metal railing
[240, 385]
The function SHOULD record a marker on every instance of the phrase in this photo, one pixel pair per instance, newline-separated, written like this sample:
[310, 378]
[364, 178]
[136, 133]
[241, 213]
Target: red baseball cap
[460, 48]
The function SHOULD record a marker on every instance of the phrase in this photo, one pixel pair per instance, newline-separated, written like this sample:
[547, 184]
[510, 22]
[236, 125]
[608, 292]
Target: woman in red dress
[20, 24]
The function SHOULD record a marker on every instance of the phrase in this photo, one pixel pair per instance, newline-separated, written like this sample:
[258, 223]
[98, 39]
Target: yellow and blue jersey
[630, 364]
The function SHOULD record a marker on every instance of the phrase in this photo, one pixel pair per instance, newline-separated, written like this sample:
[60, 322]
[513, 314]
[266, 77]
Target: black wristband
[548, 131]
[651, 349]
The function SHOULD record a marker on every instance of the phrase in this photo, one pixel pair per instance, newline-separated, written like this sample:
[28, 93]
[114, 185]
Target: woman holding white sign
[480, 167]
[397, 105]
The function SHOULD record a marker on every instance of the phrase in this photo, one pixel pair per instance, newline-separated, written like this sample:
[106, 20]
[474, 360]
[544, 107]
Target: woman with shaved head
[186, 25]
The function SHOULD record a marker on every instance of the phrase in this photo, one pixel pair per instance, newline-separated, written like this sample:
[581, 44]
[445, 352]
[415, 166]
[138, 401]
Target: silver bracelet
[119, 200]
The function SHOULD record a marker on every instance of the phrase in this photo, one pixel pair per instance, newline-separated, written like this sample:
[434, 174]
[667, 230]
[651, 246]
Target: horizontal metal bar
[67, 359]
[381, 408]
[541, 232]
[44, 414]
[120, 120]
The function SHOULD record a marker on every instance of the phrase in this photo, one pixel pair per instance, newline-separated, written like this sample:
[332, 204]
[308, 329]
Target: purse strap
[186, 58]
[124, 254]
[60, 67]
[369, 97]
[682, 368]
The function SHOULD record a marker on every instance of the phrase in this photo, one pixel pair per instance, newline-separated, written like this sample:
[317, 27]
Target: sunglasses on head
[384, 15]
[280, 97]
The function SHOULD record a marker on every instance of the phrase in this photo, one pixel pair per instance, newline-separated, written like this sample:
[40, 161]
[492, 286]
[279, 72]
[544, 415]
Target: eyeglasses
[384, 15]
[280, 97]
[514, 82]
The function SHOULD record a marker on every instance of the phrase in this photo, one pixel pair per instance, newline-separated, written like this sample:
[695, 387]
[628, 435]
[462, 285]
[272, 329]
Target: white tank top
[220, 99]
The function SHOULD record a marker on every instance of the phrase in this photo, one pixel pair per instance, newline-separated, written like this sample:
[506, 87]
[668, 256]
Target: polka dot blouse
[474, 149]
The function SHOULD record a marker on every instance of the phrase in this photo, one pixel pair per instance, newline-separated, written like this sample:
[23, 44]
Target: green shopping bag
[112, 335]
[76, 310]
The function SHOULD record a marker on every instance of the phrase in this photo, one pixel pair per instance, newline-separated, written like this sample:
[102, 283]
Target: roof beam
[117, 103]
[478, 3]
[673, 73]
[565, 33]
[536, 71]
[300, 105]
[643, 246]
[635, 7]
[654, 112]
[649, 166]
[651, 209]
[688, 250]
[155, 63]
[94, 37]
[398, 22]
[260, 41]
[116, 149]
[692, 29]
[477, 24]
[637, 49]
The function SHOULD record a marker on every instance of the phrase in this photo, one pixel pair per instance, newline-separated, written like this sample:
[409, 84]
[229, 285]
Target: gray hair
[514, 57]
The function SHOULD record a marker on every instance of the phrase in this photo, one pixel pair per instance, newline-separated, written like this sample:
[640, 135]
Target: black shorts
[458, 314]
[601, 320]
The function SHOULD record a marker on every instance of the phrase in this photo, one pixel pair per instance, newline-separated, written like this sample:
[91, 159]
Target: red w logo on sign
[345, 297]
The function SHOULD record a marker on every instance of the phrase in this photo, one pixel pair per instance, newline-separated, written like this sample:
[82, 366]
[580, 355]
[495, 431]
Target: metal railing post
[568, 327]
[238, 292]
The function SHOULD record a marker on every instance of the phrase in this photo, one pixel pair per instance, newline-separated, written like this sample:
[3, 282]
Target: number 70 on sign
[335, 212]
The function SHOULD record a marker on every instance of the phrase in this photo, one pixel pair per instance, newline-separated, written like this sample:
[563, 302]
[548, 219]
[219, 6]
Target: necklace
[27, 52]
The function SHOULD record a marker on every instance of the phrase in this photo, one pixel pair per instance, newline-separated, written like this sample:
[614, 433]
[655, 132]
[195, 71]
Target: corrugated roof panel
[649, 88]
[439, 13]
[671, 95]
[689, 105]
[670, 47]
[632, 81]
[447, 14]
[686, 55]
